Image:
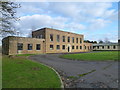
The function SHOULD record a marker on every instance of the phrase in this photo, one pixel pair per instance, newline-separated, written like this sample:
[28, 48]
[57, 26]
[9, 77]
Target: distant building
[105, 46]
[45, 40]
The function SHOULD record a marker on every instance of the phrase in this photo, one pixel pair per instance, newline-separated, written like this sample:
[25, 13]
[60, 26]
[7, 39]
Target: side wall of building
[5, 46]
[13, 45]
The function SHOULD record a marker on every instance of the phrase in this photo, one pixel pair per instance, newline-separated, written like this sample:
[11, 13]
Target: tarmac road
[82, 74]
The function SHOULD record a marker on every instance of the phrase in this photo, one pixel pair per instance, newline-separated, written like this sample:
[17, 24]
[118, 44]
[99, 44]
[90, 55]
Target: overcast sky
[95, 20]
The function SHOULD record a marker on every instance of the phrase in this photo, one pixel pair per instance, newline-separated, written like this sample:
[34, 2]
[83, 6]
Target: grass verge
[23, 73]
[95, 56]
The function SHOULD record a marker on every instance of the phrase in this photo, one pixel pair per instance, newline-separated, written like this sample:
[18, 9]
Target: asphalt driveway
[82, 74]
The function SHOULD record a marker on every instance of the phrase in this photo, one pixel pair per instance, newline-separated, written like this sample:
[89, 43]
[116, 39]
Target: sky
[95, 20]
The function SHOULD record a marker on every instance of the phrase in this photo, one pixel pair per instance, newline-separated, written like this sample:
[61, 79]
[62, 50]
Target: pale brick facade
[46, 40]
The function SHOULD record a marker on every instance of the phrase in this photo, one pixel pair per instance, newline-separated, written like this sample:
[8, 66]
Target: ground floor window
[20, 46]
[37, 46]
[88, 47]
[108, 47]
[72, 47]
[102, 47]
[114, 47]
[30, 46]
[76, 47]
[58, 47]
[51, 47]
[80, 47]
[94, 47]
[85, 47]
[63, 46]
[97, 47]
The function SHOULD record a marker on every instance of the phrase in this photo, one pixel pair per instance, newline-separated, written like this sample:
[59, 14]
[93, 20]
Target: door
[68, 49]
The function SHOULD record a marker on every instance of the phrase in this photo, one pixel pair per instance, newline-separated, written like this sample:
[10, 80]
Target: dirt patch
[35, 68]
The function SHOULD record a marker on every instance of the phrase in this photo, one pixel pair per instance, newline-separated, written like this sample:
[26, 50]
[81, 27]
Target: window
[41, 36]
[76, 47]
[58, 47]
[63, 46]
[63, 38]
[37, 46]
[51, 47]
[108, 47]
[58, 38]
[29, 46]
[72, 47]
[97, 47]
[76, 40]
[94, 47]
[80, 40]
[88, 47]
[80, 47]
[102, 47]
[68, 39]
[51, 37]
[114, 47]
[85, 46]
[72, 39]
[20, 46]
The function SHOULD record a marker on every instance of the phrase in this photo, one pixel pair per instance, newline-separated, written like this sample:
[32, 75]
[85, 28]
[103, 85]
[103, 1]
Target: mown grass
[23, 73]
[94, 56]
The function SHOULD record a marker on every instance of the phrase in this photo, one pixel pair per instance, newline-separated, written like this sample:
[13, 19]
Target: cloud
[77, 17]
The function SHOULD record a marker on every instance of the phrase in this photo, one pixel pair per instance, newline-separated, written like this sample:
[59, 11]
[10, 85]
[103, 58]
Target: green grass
[95, 56]
[22, 73]
[25, 54]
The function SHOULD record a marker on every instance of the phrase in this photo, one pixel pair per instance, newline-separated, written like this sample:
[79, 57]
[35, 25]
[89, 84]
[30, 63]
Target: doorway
[68, 49]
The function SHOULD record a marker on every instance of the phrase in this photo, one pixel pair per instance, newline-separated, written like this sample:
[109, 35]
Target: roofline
[56, 30]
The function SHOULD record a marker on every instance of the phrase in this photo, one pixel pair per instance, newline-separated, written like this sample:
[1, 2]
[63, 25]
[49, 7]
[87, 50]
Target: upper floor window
[80, 40]
[20, 46]
[68, 39]
[37, 46]
[41, 36]
[72, 39]
[76, 40]
[30, 46]
[58, 38]
[51, 37]
[51, 47]
[63, 38]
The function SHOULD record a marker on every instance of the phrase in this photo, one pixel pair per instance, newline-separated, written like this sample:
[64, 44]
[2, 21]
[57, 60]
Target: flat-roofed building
[106, 46]
[46, 40]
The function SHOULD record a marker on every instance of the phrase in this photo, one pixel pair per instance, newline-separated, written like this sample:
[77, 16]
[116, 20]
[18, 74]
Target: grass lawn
[95, 56]
[18, 72]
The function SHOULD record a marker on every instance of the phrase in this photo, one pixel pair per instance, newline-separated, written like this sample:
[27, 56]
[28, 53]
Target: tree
[8, 16]
[100, 41]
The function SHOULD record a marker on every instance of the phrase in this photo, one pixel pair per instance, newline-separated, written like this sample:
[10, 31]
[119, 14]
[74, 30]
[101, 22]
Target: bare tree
[8, 16]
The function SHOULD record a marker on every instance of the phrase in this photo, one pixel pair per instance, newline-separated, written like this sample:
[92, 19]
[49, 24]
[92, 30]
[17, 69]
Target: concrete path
[82, 74]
